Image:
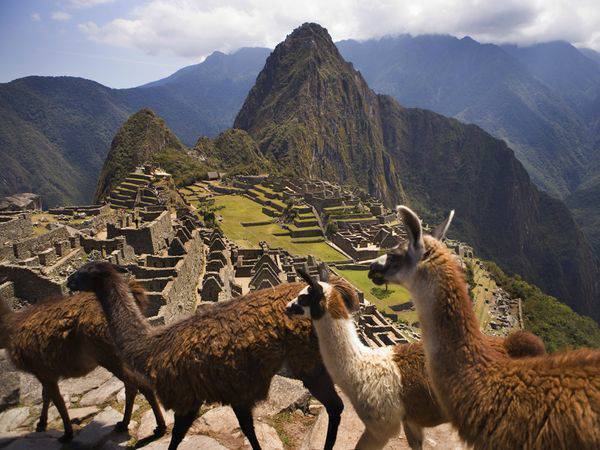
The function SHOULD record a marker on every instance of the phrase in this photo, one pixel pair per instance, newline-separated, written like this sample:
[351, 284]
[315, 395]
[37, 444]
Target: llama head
[90, 276]
[322, 297]
[400, 265]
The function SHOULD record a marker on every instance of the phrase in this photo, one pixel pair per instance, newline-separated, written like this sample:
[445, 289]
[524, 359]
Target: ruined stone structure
[146, 186]
[26, 201]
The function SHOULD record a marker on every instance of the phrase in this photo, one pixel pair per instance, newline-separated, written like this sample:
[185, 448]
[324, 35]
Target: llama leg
[183, 422]
[43, 422]
[130, 394]
[321, 387]
[244, 417]
[370, 441]
[161, 427]
[54, 394]
[414, 435]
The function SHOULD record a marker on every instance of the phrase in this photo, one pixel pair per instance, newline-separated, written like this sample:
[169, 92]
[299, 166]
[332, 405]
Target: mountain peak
[309, 29]
[139, 139]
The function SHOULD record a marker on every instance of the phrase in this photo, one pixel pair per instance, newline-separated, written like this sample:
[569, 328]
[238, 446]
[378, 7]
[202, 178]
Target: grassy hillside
[557, 324]
[237, 209]
[145, 137]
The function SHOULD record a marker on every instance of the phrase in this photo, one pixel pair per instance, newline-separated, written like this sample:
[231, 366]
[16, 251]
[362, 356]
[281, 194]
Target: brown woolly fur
[69, 337]
[227, 352]
[387, 386]
[544, 402]
[521, 344]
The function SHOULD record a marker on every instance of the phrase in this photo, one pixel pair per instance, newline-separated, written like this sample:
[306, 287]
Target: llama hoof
[40, 428]
[121, 427]
[67, 437]
[160, 431]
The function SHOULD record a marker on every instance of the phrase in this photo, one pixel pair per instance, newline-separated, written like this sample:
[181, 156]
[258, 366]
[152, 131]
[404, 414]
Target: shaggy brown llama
[227, 352]
[66, 338]
[389, 386]
[546, 402]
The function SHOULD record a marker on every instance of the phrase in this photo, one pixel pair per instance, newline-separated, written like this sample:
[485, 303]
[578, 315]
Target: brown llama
[66, 338]
[227, 352]
[389, 386]
[546, 402]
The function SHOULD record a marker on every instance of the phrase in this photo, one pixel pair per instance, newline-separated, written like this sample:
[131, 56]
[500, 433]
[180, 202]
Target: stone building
[25, 201]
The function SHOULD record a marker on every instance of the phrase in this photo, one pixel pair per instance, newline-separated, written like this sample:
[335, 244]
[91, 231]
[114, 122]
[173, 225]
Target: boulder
[148, 423]
[190, 442]
[102, 393]
[285, 395]
[99, 429]
[9, 383]
[12, 419]
[78, 415]
[32, 441]
[79, 386]
[442, 437]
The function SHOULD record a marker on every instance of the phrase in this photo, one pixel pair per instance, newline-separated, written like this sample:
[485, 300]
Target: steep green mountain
[485, 85]
[233, 151]
[55, 131]
[564, 68]
[54, 134]
[145, 137]
[313, 114]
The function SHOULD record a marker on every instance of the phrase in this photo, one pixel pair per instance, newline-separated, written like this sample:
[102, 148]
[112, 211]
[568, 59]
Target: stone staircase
[132, 191]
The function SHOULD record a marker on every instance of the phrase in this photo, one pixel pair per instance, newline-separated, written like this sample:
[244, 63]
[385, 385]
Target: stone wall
[151, 237]
[13, 228]
[30, 285]
[29, 247]
[181, 293]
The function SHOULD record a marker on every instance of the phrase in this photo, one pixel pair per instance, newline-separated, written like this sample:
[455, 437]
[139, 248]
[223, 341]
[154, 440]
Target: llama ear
[323, 273]
[312, 282]
[440, 231]
[412, 224]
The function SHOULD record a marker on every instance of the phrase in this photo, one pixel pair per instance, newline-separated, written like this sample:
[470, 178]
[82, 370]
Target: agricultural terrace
[237, 209]
[378, 295]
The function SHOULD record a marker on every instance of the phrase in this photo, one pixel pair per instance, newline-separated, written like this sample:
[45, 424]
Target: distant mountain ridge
[313, 115]
[55, 131]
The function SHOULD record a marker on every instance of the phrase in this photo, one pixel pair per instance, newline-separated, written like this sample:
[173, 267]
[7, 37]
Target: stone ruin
[163, 249]
[147, 186]
[25, 201]
[232, 271]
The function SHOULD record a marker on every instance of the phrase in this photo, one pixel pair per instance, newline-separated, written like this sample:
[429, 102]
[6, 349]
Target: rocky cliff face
[313, 114]
[140, 139]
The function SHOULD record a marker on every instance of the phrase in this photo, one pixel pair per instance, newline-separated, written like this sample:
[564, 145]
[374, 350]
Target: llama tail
[523, 344]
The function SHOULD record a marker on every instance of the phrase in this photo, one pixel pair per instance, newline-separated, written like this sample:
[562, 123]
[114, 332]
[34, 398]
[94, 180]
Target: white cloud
[88, 3]
[36, 17]
[193, 29]
[60, 16]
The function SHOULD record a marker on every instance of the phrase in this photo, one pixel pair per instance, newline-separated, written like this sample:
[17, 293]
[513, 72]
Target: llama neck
[451, 335]
[340, 348]
[6, 314]
[128, 327]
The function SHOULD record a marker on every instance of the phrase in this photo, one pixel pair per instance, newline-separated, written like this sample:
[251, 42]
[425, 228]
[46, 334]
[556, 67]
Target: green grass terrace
[378, 295]
[236, 210]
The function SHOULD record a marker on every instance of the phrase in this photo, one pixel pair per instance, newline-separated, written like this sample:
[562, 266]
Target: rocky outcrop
[140, 138]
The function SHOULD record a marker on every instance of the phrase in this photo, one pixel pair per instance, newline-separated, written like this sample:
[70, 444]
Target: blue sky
[33, 42]
[124, 43]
